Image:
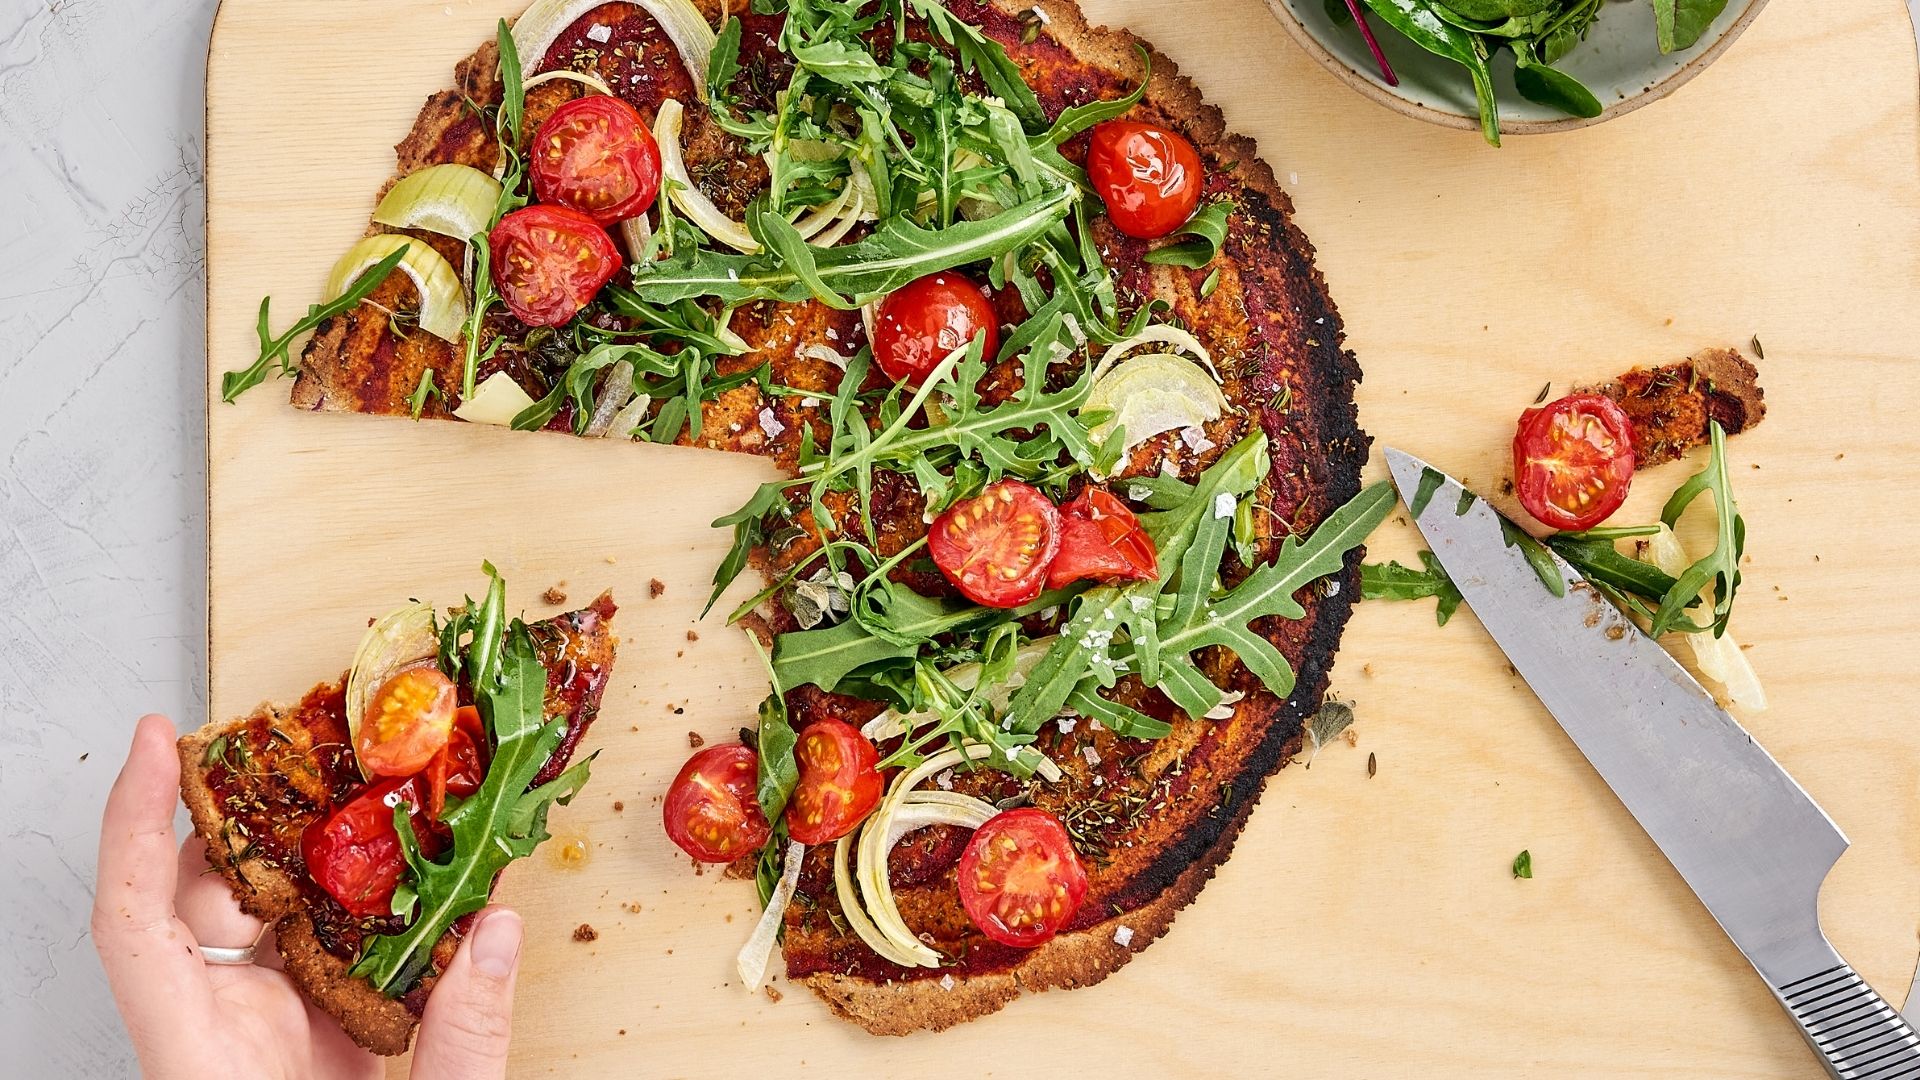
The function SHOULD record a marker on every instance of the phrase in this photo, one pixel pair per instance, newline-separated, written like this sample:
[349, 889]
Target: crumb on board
[555, 594]
[694, 740]
[773, 993]
[618, 806]
[585, 932]
[693, 635]
[656, 587]
[632, 906]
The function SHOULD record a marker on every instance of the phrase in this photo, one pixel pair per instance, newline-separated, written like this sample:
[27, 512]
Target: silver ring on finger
[226, 956]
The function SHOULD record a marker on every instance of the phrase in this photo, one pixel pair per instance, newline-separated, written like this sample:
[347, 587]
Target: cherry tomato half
[461, 765]
[1100, 538]
[1573, 461]
[1149, 177]
[407, 722]
[596, 155]
[354, 853]
[711, 809]
[548, 262]
[996, 546]
[1020, 880]
[921, 322]
[839, 781]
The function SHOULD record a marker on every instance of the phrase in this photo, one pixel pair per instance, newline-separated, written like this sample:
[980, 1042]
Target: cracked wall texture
[102, 469]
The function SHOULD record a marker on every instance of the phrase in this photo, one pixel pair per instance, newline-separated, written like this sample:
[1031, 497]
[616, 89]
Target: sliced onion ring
[443, 301]
[616, 389]
[451, 200]
[545, 20]
[752, 961]
[584, 78]
[689, 198]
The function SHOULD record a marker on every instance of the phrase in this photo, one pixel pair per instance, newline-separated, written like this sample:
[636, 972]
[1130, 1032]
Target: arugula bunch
[500, 822]
[1539, 34]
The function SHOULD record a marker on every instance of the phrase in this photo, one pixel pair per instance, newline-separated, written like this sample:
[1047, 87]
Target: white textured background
[102, 474]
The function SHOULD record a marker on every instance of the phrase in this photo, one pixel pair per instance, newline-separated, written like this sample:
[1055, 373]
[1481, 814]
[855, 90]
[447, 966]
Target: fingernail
[496, 943]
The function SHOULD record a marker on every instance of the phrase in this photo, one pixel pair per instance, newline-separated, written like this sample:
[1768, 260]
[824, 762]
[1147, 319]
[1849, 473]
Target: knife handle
[1853, 1030]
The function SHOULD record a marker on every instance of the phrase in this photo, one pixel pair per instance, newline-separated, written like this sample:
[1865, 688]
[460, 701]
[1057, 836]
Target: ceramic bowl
[1619, 62]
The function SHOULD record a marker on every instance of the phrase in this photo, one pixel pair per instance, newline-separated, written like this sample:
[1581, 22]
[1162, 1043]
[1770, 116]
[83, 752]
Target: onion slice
[451, 200]
[752, 961]
[1718, 659]
[396, 641]
[443, 302]
[1158, 333]
[689, 198]
[584, 78]
[1152, 393]
[537, 28]
[615, 390]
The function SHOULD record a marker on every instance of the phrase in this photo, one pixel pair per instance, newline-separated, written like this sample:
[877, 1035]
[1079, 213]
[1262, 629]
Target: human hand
[153, 909]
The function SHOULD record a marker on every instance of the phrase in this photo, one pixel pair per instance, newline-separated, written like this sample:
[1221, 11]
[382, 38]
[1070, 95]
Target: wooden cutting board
[1365, 927]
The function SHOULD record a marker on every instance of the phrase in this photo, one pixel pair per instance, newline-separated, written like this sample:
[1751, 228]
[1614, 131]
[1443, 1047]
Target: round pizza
[1070, 517]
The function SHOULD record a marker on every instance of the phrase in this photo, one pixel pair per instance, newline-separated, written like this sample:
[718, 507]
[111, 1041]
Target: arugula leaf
[983, 55]
[507, 127]
[1537, 556]
[775, 740]
[278, 349]
[845, 277]
[1077, 118]
[1393, 581]
[1268, 591]
[501, 822]
[1721, 566]
[1599, 561]
[1205, 232]
[1523, 865]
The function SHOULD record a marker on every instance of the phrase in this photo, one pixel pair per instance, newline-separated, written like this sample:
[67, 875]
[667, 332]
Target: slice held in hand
[370, 881]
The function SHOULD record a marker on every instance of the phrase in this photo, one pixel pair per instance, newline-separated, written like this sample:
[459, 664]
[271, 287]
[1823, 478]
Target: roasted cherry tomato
[1101, 539]
[596, 155]
[354, 853]
[921, 322]
[711, 809]
[407, 722]
[996, 546]
[548, 262]
[1148, 176]
[460, 765]
[1020, 880]
[1573, 461]
[839, 781]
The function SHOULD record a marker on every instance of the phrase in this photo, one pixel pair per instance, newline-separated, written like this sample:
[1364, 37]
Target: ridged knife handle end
[1856, 1032]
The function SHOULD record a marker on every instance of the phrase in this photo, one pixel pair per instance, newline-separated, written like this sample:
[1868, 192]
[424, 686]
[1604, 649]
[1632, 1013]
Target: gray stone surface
[102, 474]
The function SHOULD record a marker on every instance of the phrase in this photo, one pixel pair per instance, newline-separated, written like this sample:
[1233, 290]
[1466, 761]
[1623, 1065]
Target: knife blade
[1747, 839]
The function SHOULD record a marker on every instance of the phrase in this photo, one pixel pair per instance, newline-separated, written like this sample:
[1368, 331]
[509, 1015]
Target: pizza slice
[366, 823]
[965, 262]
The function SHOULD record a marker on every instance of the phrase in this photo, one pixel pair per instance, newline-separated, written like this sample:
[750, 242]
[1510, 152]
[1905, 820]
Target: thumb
[469, 1015]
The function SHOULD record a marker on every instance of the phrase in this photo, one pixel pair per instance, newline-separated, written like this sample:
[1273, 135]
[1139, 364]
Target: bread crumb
[623, 1031]
[699, 868]
[656, 587]
[633, 907]
[584, 932]
[694, 740]
[773, 993]
[618, 806]
[691, 636]
[555, 595]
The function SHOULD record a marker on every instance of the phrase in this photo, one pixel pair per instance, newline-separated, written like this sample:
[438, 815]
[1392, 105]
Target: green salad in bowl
[1515, 65]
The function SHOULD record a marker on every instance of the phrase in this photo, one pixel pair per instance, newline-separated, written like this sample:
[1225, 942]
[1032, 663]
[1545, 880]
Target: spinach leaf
[1555, 89]
[1418, 22]
[1679, 24]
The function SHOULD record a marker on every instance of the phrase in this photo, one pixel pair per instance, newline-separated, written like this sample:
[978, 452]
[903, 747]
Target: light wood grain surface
[1364, 928]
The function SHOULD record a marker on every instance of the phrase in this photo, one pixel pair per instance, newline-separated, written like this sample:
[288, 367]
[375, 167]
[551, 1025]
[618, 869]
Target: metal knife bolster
[1748, 840]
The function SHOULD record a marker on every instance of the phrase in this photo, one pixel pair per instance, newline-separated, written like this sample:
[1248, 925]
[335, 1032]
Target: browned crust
[1084, 957]
[379, 1023]
[1671, 405]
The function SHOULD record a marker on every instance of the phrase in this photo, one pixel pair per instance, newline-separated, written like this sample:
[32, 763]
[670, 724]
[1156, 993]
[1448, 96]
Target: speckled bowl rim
[1384, 95]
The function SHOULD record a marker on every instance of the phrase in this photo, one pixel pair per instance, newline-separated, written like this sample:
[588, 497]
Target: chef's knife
[1752, 845]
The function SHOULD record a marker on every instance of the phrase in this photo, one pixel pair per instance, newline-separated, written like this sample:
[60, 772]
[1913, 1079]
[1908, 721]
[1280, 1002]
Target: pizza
[1072, 515]
[463, 729]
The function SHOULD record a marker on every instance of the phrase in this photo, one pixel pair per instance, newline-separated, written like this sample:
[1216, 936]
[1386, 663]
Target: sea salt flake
[1196, 440]
[832, 334]
[1067, 724]
[944, 781]
[600, 32]
[1224, 505]
[770, 423]
[1123, 936]
[1139, 492]
[1293, 178]
[1088, 752]
[946, 982]
[1333, 588]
